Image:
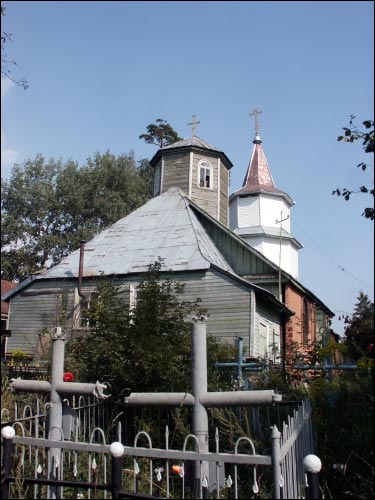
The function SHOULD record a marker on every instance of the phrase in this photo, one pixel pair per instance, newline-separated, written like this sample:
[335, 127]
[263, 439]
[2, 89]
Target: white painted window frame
[211, 170]
[77, 316]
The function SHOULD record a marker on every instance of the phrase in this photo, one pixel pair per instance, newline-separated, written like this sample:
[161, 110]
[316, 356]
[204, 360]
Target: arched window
[205, 174]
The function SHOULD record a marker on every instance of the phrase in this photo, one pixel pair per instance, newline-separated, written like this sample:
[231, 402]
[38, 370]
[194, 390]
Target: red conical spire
[258, 176]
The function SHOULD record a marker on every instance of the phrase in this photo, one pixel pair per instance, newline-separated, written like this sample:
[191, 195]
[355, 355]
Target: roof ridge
[194, 222]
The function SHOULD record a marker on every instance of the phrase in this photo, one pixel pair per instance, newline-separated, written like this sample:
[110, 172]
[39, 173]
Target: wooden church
[228, 251]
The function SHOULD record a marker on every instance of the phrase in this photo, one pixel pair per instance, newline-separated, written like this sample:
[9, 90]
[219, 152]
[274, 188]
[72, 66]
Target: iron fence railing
[148, 471]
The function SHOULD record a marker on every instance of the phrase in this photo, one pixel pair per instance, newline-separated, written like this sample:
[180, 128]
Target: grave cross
[201, 399]
[326, 367]
[241, 366]
[56, 388]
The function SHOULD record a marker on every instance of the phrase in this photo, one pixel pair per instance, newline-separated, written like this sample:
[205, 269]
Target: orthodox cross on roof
[255, 113]
[193, 124]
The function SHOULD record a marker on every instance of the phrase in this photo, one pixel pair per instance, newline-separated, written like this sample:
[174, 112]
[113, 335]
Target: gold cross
[255, 113]
[193, 125]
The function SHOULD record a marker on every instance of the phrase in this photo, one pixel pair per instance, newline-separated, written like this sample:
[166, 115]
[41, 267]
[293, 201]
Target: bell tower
[259, 212]
[199, 169]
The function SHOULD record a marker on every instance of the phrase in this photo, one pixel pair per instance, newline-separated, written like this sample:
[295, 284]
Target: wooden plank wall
[227, 302]
[224, 198]
[204, 197]
[176, 172]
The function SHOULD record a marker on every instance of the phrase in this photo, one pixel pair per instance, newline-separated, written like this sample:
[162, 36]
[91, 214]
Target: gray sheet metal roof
[192, 141]
[190, 144]
[243, 243]
[165, 227]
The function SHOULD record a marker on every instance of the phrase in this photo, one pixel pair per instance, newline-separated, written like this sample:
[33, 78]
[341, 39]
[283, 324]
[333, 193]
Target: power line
[320, 250]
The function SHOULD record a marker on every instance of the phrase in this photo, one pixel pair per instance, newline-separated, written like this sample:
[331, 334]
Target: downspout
[80, 272]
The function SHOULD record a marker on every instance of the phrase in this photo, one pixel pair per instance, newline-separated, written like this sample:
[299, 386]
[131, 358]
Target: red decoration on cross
[68, 377]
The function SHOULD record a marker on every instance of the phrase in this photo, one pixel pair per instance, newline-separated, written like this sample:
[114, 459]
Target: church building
[229, 251]
[258, 212]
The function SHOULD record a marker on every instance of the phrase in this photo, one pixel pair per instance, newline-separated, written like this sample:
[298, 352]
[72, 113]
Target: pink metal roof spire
[258, 175]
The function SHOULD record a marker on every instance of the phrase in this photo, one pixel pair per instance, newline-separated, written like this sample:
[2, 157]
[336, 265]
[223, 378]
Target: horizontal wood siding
[176, 172]
[227, 304]
[226, 300]
[29, 314]
[273, 205]
[248, 211]
[271, 287]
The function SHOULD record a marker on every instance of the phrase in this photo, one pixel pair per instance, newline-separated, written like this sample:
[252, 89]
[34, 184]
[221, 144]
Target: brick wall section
[294, 300]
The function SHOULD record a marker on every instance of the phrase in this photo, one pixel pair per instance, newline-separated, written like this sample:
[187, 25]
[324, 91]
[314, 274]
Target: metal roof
[192, 141]
[240, 241]
[165, 227]
[168, 227]
[190, 144]
[258, 178]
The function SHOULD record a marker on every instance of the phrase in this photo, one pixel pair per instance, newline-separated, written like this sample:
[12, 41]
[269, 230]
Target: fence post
[199, 386]
[275, 437]
[312, 466]
[117, 451]
[8, 434]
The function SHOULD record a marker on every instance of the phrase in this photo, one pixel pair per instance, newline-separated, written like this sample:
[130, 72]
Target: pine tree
[359, 332]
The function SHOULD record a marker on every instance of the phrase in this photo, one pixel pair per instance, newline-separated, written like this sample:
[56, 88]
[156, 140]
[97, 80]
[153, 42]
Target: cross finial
[193, 124]
[255, 113]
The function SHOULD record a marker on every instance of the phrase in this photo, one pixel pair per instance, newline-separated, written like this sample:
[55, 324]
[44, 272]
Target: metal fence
[89, 470]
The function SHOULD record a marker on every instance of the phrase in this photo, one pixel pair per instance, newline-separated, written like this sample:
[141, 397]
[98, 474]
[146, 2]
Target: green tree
[353, 134]
[160, 133]
[6, 63]
[31, 218]
[147, 348]
[48, 207]
[359, 331]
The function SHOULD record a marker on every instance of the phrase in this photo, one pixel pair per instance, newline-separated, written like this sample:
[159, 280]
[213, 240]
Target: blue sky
[100, 72]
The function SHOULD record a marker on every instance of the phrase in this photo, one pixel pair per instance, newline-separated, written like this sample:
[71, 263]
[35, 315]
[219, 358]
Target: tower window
[205, 174]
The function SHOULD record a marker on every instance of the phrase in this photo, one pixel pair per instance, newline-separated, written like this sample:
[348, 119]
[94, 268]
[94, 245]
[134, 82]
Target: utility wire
[327, 256]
